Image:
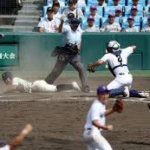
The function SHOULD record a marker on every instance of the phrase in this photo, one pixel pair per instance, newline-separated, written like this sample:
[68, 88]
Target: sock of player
[64, 87]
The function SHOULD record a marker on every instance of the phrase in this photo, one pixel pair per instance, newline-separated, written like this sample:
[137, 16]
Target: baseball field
[58, 118]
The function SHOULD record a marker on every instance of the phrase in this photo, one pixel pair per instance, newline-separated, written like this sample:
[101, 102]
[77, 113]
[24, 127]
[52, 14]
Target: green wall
[34, 48]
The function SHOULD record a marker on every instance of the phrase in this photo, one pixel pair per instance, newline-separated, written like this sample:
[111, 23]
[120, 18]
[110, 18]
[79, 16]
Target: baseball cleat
[144, 94]
[76, 86]
[126, 92]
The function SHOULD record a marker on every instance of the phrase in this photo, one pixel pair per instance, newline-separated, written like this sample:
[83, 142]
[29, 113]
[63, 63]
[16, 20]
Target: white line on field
[139, 100]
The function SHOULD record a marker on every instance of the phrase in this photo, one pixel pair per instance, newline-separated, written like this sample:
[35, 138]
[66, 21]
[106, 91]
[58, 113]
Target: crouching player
[18, 140]
[18, 84]
[96, 118]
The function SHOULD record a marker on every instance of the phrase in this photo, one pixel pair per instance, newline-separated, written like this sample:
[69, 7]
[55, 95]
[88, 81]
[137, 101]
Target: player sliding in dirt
[18, 140]
[18, 84]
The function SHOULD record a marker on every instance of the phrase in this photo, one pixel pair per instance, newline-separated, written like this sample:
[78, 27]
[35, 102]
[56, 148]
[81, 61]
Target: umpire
[69, 53]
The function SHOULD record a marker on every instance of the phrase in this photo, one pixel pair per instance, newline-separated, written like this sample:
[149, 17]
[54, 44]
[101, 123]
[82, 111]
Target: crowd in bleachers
[98, 15]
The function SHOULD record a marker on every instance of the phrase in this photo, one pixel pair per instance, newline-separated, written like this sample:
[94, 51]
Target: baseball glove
[118, 106]
[90, 70]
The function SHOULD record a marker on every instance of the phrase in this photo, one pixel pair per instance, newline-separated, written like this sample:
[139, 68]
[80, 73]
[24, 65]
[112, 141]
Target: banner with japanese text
[9, 55]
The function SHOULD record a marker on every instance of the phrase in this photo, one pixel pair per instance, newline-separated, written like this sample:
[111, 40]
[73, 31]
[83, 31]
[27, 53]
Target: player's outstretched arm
[10, 89]
[133, 47]
[19, 139]
[95, 64]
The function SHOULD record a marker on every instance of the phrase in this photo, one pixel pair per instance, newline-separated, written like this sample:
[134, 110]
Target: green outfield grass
[43, 74]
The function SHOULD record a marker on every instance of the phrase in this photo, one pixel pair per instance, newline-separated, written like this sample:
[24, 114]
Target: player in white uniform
[18, 140]
[117, 60]
[95, 122]
[18, 84]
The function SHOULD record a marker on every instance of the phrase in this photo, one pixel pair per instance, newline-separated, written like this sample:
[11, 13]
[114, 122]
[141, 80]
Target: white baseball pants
[6, 147]
[43, 86]
[120, 82]
[95, 140]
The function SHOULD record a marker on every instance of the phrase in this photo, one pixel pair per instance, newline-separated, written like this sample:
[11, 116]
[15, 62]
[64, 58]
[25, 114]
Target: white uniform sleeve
[57, 23]
[15, 82]
[7, 147]
[95, 114]
[119, 28]
[80, 13]
[65, 28]
[127, 51]
[41, 24]
[105, 58]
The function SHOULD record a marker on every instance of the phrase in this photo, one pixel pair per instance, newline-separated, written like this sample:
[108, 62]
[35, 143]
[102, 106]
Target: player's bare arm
[109, 111]
[104, 127]
[41, 30]
[10, 89]
[95, 64]
[61, 25]
[19, 139]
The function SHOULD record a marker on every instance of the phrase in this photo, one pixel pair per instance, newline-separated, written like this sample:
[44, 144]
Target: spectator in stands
[110, 25]
[134, 11]
[72, 9]
[147, 27]
[118, 12]
[93, 12]
[61, 3]
[131, 27]
[147, 13]
[102, 3]
[90, 26]
[49, 24]
[135, 2]
[116, 3]
[56, 7]
[81, 4]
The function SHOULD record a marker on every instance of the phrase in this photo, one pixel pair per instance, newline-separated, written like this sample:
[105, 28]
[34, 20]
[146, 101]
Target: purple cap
[2, 142]
[134, 8]
[118, 9]
[148, 18]
[130, 18]
[111, 15]
[90, 17]
[102, 89]
[93, 7]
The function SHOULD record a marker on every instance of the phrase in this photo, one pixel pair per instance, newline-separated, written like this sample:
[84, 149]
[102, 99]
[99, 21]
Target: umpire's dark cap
[70, 15]
[75, 22]
[6, 75]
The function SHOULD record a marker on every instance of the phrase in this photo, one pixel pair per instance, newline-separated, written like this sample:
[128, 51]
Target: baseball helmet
[112, 46]
[6, 75]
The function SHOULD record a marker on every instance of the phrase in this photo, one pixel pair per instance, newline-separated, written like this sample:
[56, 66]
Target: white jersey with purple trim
[6, 147]
[114, 27]
[131, 29]
[96, 112]
[146, 29]
[113, 60]
[91, 29]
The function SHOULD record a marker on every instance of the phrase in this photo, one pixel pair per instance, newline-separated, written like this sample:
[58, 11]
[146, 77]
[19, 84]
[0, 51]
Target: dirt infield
[58, 119]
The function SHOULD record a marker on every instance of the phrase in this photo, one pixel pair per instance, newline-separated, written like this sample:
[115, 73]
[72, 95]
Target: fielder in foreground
[18, 84]
[96, 117]
[19, 139]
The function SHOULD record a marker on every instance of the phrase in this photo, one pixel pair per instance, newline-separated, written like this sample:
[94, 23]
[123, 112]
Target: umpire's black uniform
[69, 53]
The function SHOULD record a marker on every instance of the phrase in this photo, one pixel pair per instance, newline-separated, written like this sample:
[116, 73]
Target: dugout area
[58, 118]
